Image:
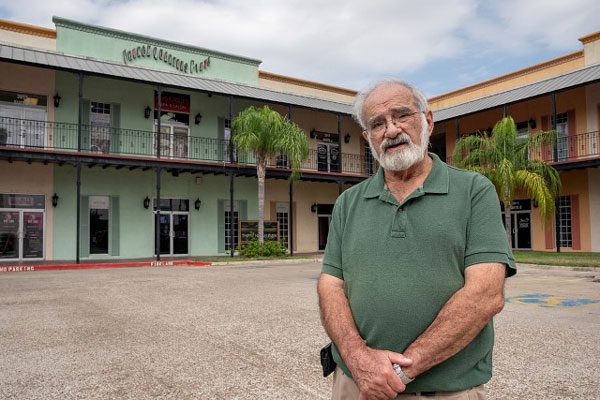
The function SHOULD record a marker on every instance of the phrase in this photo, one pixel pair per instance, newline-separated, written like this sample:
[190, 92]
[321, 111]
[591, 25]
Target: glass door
[165, 233]
[33, 234]
[180, 234]
[328, 157]
[9, 234]
[522, 228]
[174, 229]
[180, 137]
[21, 234]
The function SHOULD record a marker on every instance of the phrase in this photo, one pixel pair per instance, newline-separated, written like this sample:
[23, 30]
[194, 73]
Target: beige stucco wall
[28, 40]
[305, 89]
[305, 194]
[592, 97]
[39, 180]
[28, 80]
[594, 194]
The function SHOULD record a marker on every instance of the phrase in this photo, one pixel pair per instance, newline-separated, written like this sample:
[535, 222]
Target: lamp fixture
[54, 200]
[197, 119]
[313, 208]
[56, 100]
[147, 112]
[146, 202]
[532, 123]
[197, 204]
[313, 134]
[347, 137]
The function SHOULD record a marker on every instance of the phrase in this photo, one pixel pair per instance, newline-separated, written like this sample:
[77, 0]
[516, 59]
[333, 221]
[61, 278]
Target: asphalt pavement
[253, 332]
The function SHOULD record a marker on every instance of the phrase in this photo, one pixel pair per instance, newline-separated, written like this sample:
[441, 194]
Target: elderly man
[415, 264]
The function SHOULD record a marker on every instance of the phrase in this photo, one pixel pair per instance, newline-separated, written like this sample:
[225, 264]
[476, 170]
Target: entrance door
[21, 234]
[324, 221]
[520, 230]
[165, 233]
[10, 240]
[174, 228]
[328, 157]
[521, 225]
[174, 140]
[179, 223]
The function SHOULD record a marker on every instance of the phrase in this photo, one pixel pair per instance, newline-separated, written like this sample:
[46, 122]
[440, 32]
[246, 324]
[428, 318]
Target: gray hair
[359, 101]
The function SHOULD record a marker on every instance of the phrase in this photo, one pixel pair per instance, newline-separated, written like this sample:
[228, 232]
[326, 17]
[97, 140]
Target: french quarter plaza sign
[160, 54]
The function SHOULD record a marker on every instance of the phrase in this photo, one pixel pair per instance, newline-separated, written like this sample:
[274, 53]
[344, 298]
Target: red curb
[58, 267]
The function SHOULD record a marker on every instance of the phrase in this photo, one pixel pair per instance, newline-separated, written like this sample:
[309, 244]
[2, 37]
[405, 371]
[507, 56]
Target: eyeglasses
[400, 118]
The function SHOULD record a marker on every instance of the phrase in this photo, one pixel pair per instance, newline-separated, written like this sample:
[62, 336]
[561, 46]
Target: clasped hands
[373, 372]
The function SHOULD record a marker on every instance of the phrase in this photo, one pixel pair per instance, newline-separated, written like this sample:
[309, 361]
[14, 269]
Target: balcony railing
[569, 148]
[179, 145]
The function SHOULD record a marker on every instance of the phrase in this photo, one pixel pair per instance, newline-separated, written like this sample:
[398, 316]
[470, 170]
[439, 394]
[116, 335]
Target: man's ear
[365, 135]
[429, 118]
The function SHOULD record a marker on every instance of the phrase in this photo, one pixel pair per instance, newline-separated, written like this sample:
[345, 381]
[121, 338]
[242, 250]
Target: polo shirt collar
[436, 182]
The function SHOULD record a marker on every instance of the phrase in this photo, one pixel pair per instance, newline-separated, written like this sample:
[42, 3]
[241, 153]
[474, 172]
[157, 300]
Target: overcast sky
[438, 45]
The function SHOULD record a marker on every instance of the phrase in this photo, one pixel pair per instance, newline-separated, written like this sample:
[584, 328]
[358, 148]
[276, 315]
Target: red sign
[174, 102]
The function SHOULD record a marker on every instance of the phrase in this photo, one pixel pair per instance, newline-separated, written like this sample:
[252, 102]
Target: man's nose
[391, 130]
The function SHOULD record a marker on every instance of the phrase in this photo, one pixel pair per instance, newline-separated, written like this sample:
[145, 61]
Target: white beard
[402, 159]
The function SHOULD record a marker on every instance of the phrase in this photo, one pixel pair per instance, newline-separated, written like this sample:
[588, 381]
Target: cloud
[345, 43]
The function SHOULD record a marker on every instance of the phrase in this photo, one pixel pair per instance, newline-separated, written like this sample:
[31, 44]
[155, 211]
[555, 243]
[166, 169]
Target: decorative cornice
[511, 75]
[590, 37]
[115, 33]
[302, 82]
[27, 29]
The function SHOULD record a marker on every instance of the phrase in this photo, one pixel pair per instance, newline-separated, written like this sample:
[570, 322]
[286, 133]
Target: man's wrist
[351, 346]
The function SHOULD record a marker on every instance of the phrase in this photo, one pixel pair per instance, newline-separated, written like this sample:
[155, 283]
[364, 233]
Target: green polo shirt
[401, 262]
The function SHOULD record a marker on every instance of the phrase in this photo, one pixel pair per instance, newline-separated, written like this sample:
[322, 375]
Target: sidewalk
[51, 265]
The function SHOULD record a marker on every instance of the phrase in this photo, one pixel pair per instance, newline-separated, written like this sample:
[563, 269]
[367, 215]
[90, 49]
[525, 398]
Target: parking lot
[253, 332]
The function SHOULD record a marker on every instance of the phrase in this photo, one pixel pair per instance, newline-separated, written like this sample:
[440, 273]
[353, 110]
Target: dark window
[98, 231]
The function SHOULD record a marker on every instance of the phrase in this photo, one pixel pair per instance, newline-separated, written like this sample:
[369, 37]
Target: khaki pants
[344, 388]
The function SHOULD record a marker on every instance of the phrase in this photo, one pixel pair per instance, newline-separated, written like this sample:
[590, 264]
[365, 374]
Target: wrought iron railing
[31, 134]
[569, 148]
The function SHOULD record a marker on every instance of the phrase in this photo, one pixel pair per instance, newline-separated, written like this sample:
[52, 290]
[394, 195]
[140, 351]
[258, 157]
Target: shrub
[270, 248]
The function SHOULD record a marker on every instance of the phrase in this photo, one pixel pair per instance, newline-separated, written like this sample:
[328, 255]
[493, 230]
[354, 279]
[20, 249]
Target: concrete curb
[561, 267]
[264, 262]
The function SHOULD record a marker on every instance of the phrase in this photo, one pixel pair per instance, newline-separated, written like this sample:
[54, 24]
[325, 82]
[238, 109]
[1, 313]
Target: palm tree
[267, 134]
[505, 160]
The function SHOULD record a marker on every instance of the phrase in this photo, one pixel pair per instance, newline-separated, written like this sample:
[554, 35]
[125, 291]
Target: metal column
[291, 206]
[78, 182]
[556, 201]
[231, 186]
[78, 230]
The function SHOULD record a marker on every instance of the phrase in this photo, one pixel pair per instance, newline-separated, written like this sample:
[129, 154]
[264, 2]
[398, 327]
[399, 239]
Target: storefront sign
[248, 230]
[21, 201]
[519, 205]
[173, 102]
[156, 53]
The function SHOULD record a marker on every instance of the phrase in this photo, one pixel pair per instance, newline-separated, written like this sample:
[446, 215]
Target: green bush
[270, 248]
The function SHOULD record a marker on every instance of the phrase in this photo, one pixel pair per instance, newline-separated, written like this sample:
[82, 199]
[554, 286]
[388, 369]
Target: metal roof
[570, 79]
[64, 62]
[60, 61]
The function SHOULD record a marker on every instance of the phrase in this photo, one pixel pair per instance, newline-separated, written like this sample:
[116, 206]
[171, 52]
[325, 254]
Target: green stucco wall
[108, 44]
[136, 230]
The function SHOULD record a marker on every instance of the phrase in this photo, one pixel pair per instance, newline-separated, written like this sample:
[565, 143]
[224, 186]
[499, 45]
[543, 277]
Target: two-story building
[114, 145]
